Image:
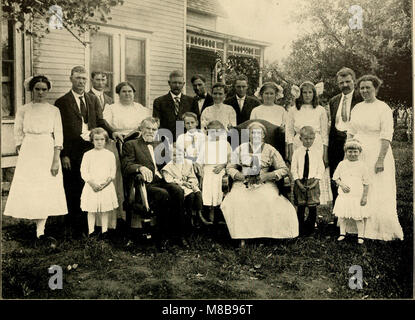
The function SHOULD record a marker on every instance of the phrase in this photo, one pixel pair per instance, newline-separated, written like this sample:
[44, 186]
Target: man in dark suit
[99, 82]
[143, 156]
[80, 112]
[171, 107]
[341, 106]
[242, 103]
[202, 99]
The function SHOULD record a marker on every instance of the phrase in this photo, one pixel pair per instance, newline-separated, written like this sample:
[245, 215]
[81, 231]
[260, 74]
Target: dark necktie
[176, 105]
[344, 109]
[84, 112]
[306, 165]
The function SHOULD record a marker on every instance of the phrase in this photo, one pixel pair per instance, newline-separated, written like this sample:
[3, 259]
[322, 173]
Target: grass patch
[215, 268]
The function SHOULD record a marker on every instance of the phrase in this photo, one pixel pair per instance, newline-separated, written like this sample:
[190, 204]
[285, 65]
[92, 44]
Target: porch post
[261, 66]
[225, 56]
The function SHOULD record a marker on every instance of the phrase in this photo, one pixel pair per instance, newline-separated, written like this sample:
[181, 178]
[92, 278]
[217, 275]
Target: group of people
[75, 158]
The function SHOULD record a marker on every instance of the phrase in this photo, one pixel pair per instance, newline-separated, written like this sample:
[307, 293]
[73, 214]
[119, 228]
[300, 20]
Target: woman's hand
[118, 136]
[218, 168]
[346, 189]
[379, 166]
[239, 177]
[363, 201]
[54, 169]
[266, 176]
[66, 163]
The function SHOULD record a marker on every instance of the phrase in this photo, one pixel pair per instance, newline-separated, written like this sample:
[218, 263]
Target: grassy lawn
[214, 268]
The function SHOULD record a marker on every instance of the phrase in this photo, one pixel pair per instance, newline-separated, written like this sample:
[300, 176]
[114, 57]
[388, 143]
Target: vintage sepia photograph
[197, 150]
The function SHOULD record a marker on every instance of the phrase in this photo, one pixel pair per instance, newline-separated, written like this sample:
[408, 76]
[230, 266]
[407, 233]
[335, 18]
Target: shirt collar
[174, 96]
[349, 95]
[97, 93]
[238, 98]
[77, 95]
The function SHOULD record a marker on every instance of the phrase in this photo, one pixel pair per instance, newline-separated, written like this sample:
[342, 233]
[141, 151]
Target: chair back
[275, 135]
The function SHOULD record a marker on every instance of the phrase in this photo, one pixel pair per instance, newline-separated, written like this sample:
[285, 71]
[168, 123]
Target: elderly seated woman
[254, 207]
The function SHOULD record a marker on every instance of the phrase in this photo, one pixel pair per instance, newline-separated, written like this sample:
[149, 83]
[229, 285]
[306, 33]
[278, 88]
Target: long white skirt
[259, 213]
[383, 222]
[35, 193]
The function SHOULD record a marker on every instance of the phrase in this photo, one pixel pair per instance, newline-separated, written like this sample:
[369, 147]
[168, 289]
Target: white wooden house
[143, 42]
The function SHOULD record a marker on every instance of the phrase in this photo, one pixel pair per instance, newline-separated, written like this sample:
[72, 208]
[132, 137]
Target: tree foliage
[382, 46]
[237, 65]
[33, 16]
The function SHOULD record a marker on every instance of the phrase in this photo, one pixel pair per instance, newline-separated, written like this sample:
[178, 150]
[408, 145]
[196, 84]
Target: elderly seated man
[142, 156]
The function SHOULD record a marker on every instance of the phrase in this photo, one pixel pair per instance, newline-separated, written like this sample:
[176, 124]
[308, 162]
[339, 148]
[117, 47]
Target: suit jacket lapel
[336, 105]
[74, 105]
[146, 152]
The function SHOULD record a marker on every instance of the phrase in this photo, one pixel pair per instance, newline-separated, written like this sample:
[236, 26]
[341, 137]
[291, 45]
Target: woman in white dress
[222, 112]
[37, 188]
[372, 124]
[124, 117]
[254, 207]
[270, 111]
[308, 112]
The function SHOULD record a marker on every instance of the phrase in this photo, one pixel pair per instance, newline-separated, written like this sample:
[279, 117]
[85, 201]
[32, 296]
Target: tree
[33, 16]
[382, 45]
[237, 65]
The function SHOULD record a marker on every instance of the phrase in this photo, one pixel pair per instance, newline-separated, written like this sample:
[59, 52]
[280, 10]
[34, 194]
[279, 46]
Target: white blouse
[374, 118]
[223, 113]
[124, 118]
[307, 116]
[38, 118]
[275, 114]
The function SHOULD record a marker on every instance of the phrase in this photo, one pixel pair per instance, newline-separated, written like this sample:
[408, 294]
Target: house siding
[164, 25]
[201, 20]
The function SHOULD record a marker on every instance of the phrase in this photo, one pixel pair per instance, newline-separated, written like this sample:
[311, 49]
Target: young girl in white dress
[351, 175]
[98, 171]
[214, 157]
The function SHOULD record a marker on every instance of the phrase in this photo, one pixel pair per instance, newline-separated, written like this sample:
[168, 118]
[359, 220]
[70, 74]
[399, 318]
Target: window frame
[119, 36]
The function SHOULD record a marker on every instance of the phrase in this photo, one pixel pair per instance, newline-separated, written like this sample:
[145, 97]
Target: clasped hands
[99, 186]
[304, 188]
[263, 177]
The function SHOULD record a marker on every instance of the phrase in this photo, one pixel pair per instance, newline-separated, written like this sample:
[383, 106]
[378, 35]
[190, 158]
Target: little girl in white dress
[351, 176]
[214, 158]
[98, 171]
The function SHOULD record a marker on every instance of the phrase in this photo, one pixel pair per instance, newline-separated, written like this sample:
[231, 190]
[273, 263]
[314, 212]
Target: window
[135, 67]
[101, 58]
[7, 79]
[122, 54]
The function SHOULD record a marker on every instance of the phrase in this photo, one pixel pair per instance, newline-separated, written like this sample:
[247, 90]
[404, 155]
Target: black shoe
[94, 234]
[103, 236]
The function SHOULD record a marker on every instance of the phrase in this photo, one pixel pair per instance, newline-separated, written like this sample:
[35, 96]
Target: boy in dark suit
[202, 99]
[241, 102]
[80, 113]
[99, 82]
[142, 156]
[171, 107]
